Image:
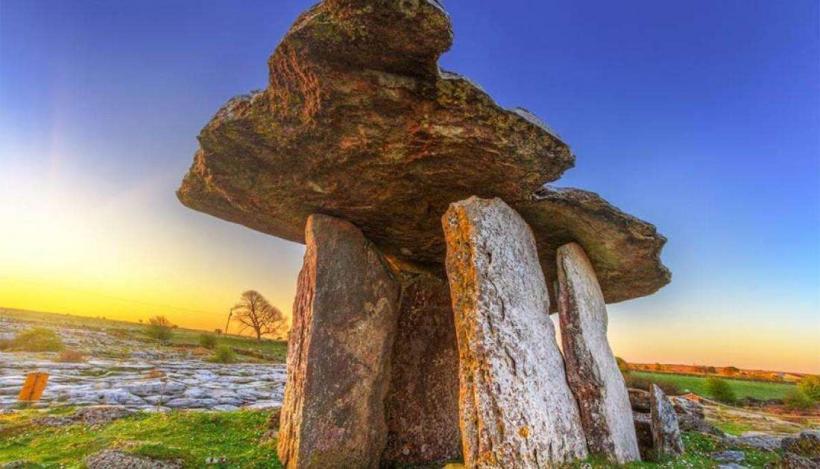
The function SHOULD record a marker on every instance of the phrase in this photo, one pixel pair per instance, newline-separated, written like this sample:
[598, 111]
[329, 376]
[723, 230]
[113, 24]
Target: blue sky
[702, 117]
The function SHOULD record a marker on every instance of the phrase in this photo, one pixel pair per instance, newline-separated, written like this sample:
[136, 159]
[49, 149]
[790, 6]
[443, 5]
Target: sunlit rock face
[516, 406]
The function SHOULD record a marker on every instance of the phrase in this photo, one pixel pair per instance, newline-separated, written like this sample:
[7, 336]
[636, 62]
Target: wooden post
[33, 387]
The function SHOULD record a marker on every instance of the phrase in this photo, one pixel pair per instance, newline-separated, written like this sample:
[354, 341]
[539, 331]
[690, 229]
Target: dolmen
[435, 253]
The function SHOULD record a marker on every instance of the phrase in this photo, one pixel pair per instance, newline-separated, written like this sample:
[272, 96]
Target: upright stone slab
[422, 404]
[344, 321]
[516, 408]
[665, 430]
[592, 371]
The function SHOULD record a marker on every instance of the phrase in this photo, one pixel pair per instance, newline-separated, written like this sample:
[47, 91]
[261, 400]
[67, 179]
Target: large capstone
[666, 437]
[339, 349]
[516, 407]
[422, 404]
[358, 122]
[592, 371]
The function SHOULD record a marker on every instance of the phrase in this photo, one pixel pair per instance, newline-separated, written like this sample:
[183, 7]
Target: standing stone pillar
[516, 408]
[592, 371]
[422, 404]
[665, 430]
[344, 320]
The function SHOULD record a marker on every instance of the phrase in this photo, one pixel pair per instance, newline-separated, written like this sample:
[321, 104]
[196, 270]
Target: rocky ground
[137, 375]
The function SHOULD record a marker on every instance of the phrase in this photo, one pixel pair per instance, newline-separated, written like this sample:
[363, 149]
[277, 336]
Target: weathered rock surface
[807, 444]
[643, 430]
[624, 250]
[592, 372]
[516, 407]
[345, 316]
[666, 435]
[113, 459]
[422, 403]
[358, 122]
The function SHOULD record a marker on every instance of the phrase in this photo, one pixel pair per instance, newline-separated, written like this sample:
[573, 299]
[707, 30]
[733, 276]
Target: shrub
[622, 365]
[638, 382]
[810, 386]
[38, 339]
[70, 356]
[159, 328]
[720, 390]
[796, 399]
[208, 341]
[731, 370]
[223, 354]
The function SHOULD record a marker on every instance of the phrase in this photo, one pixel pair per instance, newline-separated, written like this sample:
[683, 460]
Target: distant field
[275, 350]
[697, 385]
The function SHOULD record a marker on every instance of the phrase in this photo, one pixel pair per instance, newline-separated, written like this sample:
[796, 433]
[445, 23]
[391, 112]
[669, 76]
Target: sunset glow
[100, 108]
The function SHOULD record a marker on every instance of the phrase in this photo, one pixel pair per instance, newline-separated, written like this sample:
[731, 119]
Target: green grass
[699, 448]
[742, 388]
[189, 436]
[193, 436]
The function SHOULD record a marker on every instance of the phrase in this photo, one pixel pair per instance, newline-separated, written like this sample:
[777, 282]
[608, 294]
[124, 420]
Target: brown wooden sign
[33, 387]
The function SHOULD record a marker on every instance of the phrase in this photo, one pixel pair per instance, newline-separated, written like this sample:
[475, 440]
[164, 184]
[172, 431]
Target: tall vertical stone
[516, 408]
[422, 404]
[665, 429]
[339, 351]
[592, 371]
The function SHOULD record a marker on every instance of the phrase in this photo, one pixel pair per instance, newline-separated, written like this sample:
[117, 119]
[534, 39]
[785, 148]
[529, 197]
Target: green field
[742, 388]
[272, 350]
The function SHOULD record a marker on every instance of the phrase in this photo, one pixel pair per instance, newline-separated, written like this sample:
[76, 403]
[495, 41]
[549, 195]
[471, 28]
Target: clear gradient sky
[700, 116]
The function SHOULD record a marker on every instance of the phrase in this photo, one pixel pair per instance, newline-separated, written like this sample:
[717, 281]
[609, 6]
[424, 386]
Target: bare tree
[254, 312]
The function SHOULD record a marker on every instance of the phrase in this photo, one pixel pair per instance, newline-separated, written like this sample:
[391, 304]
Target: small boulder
[112, 459]
[730, 456]
[805, 444]
[666, 435]
[639, 400]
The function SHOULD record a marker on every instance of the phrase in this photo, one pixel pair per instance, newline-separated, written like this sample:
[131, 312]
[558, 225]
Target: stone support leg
[592, 371]
[516, 407]
[339, 351]
[422, 404]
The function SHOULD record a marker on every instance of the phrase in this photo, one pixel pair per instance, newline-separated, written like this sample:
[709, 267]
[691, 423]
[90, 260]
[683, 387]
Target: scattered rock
[760, 441]
[112, 459]
[639, 400]
[592, 372]
[806, 444]
[795, 461]
[21, 465]
[691, 416]
[100, 415]
[344, 321]
[516, 406]
[666, 435]
[729, 456]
